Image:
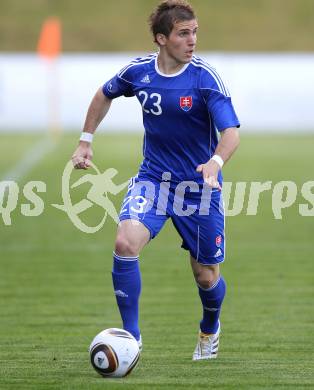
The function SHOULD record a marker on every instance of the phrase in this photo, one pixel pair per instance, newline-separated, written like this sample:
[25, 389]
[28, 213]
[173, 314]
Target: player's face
[181, 42]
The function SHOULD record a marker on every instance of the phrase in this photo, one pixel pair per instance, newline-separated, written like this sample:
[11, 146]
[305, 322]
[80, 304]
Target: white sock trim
[212, 287]
[125, 258]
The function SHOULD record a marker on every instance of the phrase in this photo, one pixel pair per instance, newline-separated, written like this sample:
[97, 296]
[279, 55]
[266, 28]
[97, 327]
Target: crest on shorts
[186, 103]
[218, 241]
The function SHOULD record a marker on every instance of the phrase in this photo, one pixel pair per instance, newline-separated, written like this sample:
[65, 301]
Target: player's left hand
[210, 173]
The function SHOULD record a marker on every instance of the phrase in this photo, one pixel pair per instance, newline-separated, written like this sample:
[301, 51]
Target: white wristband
[87, 137]
[218, 160]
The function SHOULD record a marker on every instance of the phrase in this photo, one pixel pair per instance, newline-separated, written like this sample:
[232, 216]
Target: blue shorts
[196, 212]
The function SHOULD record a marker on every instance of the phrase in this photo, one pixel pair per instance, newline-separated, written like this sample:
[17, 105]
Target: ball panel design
[120, 333]
[133, 364]
[114, 352]
[100, 360]
[110, 355]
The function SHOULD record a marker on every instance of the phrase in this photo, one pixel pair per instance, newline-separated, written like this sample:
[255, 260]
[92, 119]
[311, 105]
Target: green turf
[56, 294]
[121, 25]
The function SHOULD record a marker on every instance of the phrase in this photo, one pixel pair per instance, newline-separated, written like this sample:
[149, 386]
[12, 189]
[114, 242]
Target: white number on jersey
[156, 103]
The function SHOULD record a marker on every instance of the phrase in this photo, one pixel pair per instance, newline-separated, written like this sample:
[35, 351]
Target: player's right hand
[82, 156]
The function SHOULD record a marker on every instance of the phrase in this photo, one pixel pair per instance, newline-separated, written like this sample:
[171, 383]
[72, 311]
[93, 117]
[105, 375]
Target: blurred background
[55, 280]
[120, 25]
[262, 48]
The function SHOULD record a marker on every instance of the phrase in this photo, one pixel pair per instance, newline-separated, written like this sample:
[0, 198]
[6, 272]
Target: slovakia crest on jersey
[186, 103]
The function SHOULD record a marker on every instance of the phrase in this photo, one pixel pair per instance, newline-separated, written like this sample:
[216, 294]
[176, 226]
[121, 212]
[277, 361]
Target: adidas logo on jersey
[218, 253]
[145, 79]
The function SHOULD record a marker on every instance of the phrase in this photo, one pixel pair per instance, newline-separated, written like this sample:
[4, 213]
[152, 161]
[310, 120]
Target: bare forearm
[228, 143]
[96, 112]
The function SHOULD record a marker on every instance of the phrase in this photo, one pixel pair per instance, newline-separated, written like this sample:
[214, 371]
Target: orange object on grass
[49, 43]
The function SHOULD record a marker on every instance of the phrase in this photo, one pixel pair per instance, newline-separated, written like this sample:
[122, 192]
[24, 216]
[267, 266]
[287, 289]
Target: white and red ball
[114, 352]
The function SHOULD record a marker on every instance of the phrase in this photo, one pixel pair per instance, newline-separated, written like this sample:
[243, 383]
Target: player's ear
[161, 39]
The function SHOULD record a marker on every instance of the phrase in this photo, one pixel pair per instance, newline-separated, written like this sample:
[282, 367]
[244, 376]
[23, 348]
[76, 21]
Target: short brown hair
[168, 13]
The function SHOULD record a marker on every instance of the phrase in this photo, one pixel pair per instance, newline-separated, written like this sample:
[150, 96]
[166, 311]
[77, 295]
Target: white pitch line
[30, 159]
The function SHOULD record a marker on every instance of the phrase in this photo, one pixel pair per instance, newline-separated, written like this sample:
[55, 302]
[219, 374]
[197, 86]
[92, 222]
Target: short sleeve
[116, 87]
[222, 111]
[218, 100]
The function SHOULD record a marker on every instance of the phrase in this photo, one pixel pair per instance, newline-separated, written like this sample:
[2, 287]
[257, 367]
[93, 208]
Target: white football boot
[140, 343]
[207, 346]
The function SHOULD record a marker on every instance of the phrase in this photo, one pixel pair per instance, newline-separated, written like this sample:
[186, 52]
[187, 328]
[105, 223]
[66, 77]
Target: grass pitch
[56, 292]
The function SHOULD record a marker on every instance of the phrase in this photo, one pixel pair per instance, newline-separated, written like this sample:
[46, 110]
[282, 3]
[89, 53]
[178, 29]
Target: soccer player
[185, 106]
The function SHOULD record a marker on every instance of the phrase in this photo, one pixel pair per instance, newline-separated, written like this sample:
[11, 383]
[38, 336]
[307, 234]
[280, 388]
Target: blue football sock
[212, 299]
[126, 279]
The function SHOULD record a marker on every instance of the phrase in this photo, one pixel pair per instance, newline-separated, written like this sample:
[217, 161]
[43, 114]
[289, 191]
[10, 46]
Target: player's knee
[206, 277]
[204, 283]
[124, 247]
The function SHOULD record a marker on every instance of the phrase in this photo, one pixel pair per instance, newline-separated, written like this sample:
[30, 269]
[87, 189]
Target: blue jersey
[182, 113]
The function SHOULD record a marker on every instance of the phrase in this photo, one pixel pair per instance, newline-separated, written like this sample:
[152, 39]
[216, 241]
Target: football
[114, 353]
